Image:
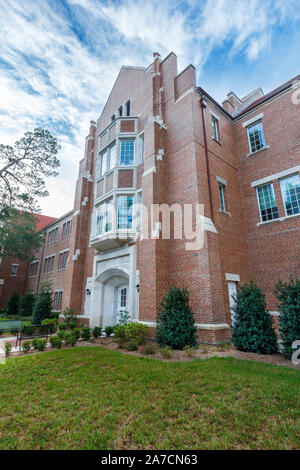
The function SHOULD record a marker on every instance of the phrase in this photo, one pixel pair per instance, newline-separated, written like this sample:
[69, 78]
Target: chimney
[156, 55]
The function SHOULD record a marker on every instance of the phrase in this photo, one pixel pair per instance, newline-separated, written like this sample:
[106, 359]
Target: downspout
[203, 106]
[41, 265]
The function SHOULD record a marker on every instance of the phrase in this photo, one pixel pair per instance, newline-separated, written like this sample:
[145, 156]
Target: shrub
[42, 307]
[119, 332]
[27, 304]
[137, 332]
[55, 342]
[51, 321]
[62, 326]
[176, 325]
[189, 350]
[54, 315]
[39, 344]
[148, 348]
[72, 325]
[252, 327]
[86, 333]
[13, 305]
[288, 295]
[61, 334]
[166, 352]
[70, 339]
[109, 330]
[132, 345]
[124, 317]
[26, 345]
[69, 317]
[96, 332]
[7, 348]
[76, 333]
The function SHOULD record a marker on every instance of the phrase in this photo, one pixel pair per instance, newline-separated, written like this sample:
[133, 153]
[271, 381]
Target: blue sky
[59, 60]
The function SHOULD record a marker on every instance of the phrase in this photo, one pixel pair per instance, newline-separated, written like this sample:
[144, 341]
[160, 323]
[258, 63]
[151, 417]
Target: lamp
[87, 291]
[138, 287]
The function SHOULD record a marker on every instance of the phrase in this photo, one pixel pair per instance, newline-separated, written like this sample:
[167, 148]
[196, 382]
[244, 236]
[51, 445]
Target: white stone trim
[191, 90]
[221, 180]
[258, 117]
[275, 176]
[274, 313]
[207, 224]
[212, 326]
[151, 324]
[214, 115]
[232, 277]
[150, 170]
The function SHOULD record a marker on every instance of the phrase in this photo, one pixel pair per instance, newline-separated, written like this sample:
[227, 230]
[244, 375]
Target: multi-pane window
[104, 217]
[267, 202]
[127, 106]
[256, 137]
[63, 258]
[127, 152]
[125, 212]
[215, 128]
[52, 235]
[290, 188]
[112, 153]
[14, 269]
[103, 164]
[138, 210]
[222, 197]
[66, 229]
[123, 297]
[33, 268]
[57, 300]
[49, 264]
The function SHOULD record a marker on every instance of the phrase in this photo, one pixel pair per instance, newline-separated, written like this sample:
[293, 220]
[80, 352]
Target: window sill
[257, 151]
[224, 212]
[280, 219]
[217, 141]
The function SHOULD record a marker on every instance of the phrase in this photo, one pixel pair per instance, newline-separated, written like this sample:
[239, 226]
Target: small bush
[55, 342]
[27, 304]
[7, 348]
[86, 333]
[132, 345]
[61, 334]
[189, 350]
[119, 332]
[51, 321]
[39, 344]
[124, 317]
[137, 332]
[62, 326]
[96, 332]
[69, 317]
[26, 345]
[72, 325]
[166, 352]
[70, 339]
[148, 348]
[109, 330]
[288, 295]
[42, 306]
[13, 305]
[76, 333]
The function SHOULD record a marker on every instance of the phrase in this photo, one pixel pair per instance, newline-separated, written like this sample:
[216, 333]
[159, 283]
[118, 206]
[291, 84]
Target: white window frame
[36, 263]
[132, 212]
[120, 151]
[215, 127]
[283, 196]
[14, 269]
[260, 215]
[222, 196]
[46, 259]
[65, 224]
[59, 293]
[61, 257]
[249, 144]
[105, 205]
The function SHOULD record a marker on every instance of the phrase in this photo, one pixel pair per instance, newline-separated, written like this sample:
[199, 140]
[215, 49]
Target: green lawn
[93, 398]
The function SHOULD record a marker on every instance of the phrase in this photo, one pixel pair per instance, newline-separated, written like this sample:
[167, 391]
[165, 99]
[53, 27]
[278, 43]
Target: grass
[93, 398]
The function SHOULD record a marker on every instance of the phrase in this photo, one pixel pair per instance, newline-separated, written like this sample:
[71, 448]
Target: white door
[232, 290]
[122, 298]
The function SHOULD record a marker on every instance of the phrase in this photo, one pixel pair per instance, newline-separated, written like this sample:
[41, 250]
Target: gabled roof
[43, 221]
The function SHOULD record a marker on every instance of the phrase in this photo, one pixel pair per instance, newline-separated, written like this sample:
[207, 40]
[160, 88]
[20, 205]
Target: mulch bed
[203, 352]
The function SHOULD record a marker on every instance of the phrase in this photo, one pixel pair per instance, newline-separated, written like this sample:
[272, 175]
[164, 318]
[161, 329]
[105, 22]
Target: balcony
[112, 240]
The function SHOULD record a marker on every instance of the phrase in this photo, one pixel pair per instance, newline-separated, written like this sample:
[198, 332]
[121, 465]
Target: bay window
[104, 217]
[127, 152]
[125, 212]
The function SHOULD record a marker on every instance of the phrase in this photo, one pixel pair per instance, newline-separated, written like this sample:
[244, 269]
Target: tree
[43, 305]
[27, 304]
[176, 325]
[18, 235]
[12, 307]
[23, 168]
[288, 294]
[252, 328]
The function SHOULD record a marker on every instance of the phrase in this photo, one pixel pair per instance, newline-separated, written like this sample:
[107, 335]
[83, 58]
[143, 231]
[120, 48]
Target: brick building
[161, 139]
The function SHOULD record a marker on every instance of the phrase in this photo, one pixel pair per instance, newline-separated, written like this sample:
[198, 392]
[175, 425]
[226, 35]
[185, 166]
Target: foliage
[39, 344]
[27, 304]
[26, 345]
[62, 326]
[23, 168]
[132, 345]
[55, 341]
[252, 328]
[166, 352]
[96, 332]
[12, 307]
[124, 317]
[137, 332]
[86, 333]
[69, 318]
[189, 350]
[72, 325]
[61, 334]
[109, 330]
[7, 348]
[70, 339]
[176, 325]
[76, 333]
[18, 234]
[288, 295]
[42, 307]
[148, 348]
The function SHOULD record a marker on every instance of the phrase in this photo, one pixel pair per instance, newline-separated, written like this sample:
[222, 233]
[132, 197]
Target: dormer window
[127, 106]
